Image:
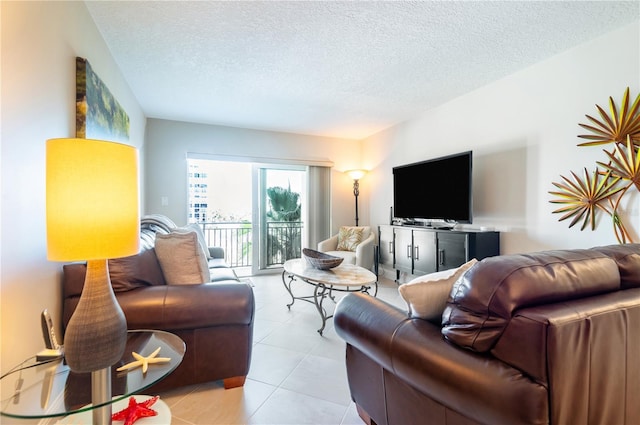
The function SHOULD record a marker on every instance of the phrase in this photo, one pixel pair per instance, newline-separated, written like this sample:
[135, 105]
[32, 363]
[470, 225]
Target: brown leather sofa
[214, 319]
[548, 337]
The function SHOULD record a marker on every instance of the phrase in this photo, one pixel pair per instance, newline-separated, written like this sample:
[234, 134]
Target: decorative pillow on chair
[182, 258]
[349, 238]
[427, 295]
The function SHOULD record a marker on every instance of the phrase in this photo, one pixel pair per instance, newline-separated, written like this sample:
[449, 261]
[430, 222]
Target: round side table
[50, 389]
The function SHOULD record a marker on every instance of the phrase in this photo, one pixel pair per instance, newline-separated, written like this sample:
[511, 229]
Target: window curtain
[319, 190]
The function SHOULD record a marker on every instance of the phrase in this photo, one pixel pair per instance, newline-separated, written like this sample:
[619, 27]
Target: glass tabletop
[47, 389]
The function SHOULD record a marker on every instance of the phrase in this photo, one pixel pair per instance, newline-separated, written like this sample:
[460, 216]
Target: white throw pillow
[427, 295]
[201, 238]
[181, 258]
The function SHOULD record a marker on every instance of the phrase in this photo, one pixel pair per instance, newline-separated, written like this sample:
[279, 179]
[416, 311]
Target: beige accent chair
[362, 256]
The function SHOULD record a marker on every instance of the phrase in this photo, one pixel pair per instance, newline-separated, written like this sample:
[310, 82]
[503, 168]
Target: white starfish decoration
[144, 361]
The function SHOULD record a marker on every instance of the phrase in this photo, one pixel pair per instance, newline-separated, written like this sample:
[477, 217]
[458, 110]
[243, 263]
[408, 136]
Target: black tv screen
[436, 189]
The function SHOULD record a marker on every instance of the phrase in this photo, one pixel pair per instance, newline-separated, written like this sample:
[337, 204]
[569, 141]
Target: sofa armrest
[330, 244]
[414, 350]
[368, 324]
[173, 307]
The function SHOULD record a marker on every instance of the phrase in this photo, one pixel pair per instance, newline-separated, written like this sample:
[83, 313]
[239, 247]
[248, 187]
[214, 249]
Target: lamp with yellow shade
[356, 175]
[93, 215]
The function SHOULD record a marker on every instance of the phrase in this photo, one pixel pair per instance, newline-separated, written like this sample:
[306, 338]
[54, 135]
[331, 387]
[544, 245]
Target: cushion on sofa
[182, 258]
[136, 271]
[485, 298]
[349, 237]
[427, 295]
[201, 238]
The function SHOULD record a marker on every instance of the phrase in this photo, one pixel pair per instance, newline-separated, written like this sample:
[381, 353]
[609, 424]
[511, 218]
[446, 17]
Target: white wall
[40, 41]
[523, 132]
[168, 142]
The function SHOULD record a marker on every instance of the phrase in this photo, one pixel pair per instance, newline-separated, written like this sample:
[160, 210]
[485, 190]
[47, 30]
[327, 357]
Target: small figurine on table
[135, 411]
[144, 361]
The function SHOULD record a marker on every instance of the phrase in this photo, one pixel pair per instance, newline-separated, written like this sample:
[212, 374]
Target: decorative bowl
[320, 260]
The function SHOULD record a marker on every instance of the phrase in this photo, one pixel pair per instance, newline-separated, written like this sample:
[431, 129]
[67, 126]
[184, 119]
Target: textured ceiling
[342, 69]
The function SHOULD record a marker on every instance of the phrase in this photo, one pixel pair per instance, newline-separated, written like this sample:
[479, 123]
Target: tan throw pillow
[427, 295]
[349, 238]
[182, 258]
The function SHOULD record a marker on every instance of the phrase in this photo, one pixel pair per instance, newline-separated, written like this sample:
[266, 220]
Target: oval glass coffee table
[344, 278]
[50, 389]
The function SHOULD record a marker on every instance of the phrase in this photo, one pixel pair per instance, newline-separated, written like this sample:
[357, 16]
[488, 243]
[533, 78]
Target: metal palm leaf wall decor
[583, 198]
[614, 128]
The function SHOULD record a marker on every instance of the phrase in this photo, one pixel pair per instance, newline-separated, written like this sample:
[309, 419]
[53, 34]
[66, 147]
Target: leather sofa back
[483, 302]
[627, 257]
[127, 273]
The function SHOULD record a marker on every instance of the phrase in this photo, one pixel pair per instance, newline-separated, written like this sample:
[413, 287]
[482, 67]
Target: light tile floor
[297, 376]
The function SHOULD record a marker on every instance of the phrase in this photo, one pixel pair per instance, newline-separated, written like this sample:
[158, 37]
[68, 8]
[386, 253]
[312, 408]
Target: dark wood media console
[422, 250]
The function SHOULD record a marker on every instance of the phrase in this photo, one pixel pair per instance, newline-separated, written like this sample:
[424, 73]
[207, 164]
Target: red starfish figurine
[135, 411]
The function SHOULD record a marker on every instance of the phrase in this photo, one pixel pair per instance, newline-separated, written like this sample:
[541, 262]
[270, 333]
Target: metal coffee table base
[321, 291]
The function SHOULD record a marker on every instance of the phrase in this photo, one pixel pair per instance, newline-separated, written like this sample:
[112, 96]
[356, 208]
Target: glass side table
[50, 389]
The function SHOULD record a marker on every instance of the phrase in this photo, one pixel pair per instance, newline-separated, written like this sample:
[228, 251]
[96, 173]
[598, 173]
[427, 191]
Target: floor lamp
[92, 215]
[356, 175]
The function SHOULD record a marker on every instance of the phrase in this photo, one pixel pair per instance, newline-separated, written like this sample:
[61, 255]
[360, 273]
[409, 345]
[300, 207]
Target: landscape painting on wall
[98, 113]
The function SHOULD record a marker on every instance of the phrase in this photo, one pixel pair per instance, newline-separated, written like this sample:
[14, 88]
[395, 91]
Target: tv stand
[440, 226]
[445, 225]
[421, 250]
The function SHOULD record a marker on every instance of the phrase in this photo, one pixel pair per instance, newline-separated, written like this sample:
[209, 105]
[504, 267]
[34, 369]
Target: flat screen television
[438, 189]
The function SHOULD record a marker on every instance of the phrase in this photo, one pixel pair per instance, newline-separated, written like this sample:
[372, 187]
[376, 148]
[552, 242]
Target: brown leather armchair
[214, 319]
[549, 337]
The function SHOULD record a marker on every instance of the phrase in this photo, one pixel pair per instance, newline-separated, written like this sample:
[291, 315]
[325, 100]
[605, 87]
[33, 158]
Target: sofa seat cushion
[484, 300]
[349, 256]
[222, 274]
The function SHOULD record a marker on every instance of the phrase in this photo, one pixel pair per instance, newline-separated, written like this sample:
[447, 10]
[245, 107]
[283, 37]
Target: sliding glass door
[255, 211]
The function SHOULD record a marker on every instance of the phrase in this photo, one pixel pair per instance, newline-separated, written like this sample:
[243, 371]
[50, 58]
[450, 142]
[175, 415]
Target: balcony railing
[234, 237]
[283, 241]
